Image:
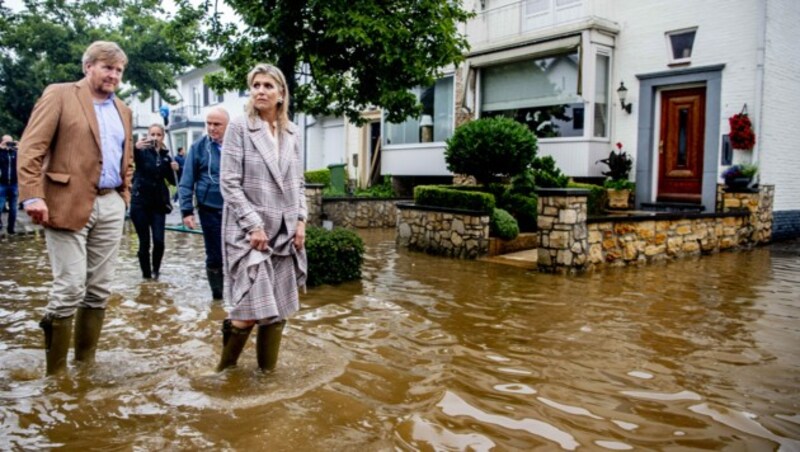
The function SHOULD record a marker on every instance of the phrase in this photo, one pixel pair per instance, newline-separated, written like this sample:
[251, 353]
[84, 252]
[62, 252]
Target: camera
[11, 145]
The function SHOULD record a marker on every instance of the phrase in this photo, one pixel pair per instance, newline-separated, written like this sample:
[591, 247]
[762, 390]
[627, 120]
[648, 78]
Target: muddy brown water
[423, 354]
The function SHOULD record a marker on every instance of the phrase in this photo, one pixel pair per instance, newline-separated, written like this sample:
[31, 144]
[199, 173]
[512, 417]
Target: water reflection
[424, 353]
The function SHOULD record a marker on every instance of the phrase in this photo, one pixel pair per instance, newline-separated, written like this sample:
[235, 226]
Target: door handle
[661, 146]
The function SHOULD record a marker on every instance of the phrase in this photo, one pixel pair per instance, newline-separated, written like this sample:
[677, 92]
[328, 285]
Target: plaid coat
[262, 186]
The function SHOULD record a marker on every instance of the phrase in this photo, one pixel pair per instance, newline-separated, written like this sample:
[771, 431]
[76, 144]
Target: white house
[688, 66]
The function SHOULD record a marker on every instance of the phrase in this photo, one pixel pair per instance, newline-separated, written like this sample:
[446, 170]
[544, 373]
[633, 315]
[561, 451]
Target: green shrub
[524, 183]
[382, 190]
[523, 208]
[597, 197]
[333, 256]
[503, 225]
[547, 175]
[320, 176]
[490, 147]
[619, 184]
[453, 198]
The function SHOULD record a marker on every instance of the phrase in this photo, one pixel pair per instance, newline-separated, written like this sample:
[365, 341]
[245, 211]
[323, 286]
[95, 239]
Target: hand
[143, 143]
[258, 239]
[300, 235]
[38, 212]
[175, 166]
[188, 221]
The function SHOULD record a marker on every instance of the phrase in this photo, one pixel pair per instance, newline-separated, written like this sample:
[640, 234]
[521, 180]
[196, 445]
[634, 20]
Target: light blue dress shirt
[112, 142]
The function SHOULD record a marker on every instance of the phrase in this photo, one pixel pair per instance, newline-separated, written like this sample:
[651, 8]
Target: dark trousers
[146, 221]
[211, 222]
[9, 193]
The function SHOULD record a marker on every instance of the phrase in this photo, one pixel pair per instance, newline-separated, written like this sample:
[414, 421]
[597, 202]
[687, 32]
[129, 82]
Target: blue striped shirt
[112, 142]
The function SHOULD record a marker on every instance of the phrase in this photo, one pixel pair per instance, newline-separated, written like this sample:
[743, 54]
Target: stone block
[596, 254]
[543, 258]
[630, 252]
[564, 257]
[568, 216]
[691, 246]
[559, 239]
[595, 236]
[545, 222]
[456, 239]
[653, 250]
[683, 229]
[609, 244]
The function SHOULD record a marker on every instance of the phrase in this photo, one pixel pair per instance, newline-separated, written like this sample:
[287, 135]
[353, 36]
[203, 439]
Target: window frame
[451, 105]
[671, 60]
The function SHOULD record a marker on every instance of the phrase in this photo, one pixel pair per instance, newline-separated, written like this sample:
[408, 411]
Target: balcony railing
[182, 116]
[515, 19]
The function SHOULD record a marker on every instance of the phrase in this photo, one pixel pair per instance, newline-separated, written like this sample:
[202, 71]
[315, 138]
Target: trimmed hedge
[452, 198]
[503, 225]
[547, 174]
[320, 176]
[490, 147]
[333, 256]
[597, 197]
[525, 209]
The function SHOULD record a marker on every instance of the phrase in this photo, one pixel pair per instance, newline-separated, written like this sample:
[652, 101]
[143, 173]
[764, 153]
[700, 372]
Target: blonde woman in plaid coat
[263, 220]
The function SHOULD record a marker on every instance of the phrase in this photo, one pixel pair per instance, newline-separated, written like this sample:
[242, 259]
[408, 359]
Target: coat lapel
[266, 147]
[285, 155]
[85, 98]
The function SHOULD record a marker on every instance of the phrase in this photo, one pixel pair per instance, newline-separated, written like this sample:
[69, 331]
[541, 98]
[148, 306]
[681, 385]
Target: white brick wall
[779, 147]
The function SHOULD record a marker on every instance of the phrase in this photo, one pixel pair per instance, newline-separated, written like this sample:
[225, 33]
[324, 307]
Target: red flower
[741, 134]
[619, 145]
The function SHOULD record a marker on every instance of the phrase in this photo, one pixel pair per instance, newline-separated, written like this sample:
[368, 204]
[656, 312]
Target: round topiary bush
[490, 147]
[333, 256]
[503, 225]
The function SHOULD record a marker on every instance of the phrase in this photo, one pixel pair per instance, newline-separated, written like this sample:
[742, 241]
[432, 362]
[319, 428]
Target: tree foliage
[346, 55]
[43, 44]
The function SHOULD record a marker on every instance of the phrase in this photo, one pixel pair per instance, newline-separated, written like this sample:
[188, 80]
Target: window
[601, 90]
[679, 46]
[206, 95]
[436, 122]
[155, 102]
[533, 7]
[196, 101]
[541, 93]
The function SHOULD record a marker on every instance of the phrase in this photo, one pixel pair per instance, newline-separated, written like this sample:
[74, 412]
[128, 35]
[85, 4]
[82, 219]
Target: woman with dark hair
[150, 200]
[263, 220]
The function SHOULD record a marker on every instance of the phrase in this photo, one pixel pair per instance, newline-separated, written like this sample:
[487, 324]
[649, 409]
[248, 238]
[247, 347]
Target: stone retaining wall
[314, 204]
[562, 228]
[622, 242]
[445, 232]
[758, 203]
[358, 213]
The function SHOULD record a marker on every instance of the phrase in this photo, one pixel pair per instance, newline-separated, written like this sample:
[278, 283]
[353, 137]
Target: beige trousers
[83, 262]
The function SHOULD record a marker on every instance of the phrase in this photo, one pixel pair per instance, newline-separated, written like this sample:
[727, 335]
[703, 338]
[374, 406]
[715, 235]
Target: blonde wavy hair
[283, 107]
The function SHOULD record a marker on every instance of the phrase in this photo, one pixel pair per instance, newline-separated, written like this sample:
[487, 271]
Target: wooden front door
[680, 146]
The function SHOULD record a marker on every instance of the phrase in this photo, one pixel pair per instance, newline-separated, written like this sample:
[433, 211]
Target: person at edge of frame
[200, 182]
[75, 169]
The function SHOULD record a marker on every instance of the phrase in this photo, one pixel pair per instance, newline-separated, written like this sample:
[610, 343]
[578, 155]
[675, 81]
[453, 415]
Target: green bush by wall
[597, 197]
[490, 147]
[503, 225]
[453, 198]
[333, 256]
[320, 176]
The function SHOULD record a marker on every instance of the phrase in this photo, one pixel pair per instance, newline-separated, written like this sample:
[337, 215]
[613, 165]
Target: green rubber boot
[57, 334]
[88, 324]
[233, 342]
[268, 343]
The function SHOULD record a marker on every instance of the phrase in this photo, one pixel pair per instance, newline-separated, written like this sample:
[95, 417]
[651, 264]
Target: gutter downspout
[759, 88]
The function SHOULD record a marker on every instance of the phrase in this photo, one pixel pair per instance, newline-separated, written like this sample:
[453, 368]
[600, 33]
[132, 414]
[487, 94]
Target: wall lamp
[622, 92]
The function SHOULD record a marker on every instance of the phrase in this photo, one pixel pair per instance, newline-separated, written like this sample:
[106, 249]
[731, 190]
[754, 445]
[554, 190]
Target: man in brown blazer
[75, 170]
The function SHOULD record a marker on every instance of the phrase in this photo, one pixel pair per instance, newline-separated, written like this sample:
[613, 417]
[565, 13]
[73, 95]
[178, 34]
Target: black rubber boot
[88, 324]
[158, 255]
[233, 342]
[144, 264]
[268, 343]
[57, 334]
[215, 278]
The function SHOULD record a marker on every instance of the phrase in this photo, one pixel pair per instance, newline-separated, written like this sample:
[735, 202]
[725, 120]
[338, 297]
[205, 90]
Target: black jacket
[8, 167]
[152, 170]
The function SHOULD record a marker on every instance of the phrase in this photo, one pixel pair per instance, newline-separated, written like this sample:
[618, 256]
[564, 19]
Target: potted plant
[739, 177]
[617, 186]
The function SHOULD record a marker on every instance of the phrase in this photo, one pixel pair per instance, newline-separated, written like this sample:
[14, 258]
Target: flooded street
[423, 353]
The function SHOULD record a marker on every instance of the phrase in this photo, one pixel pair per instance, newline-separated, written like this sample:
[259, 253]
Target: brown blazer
[60, 159]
